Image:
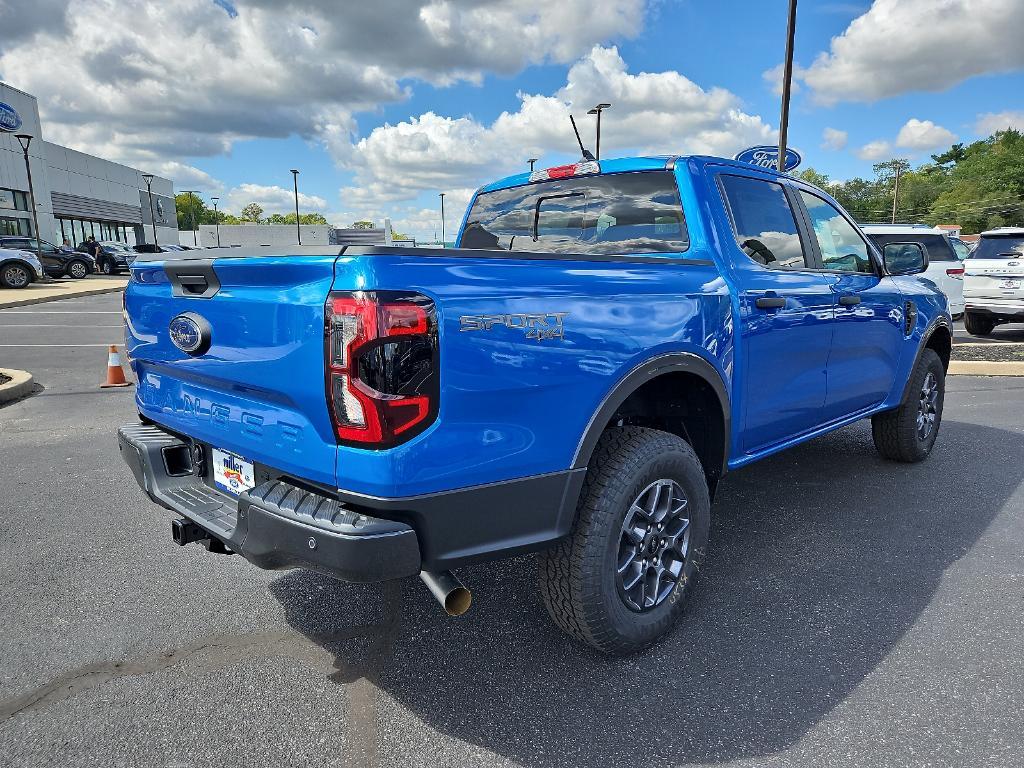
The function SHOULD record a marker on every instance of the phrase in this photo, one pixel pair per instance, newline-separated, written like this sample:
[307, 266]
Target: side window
[842, 248]
[763, 222]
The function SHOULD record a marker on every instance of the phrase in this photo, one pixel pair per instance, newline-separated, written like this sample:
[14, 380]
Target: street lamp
[597, 111]
[148, 178]
[25, 139]
[531, 161]
[216, 217]
[192, 214]
[295, 181]
[441, 195]
[787, 80]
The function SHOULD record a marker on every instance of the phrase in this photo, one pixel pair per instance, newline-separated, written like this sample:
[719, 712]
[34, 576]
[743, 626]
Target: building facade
[76, 195]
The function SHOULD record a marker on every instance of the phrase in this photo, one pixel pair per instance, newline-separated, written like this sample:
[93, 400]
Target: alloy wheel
[16, 277]
[653, 546]
[927, 409]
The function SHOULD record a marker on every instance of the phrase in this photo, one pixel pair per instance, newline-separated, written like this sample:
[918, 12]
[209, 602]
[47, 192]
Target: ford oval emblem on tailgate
[190, 333]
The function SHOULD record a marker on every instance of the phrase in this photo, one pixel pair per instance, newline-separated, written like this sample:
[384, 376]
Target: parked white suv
[944, 266]
[994, 281]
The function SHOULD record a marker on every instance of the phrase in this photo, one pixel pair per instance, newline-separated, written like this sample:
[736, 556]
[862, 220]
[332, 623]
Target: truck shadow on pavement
[821, 558]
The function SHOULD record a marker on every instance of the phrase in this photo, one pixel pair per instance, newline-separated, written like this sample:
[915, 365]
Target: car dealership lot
[851, 611]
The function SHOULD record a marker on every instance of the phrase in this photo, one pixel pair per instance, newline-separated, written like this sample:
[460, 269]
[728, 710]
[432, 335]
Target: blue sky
[383, 107]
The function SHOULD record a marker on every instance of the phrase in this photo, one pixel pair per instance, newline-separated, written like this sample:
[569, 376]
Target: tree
[252, 212]
[811, 176]
[362, 225]
[192, 210]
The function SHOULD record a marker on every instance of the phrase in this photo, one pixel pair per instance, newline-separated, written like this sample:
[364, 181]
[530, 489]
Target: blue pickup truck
[575, 378]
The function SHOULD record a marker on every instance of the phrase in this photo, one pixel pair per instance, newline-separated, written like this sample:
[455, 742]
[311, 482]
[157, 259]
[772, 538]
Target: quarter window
[842, 248]
[763, 222]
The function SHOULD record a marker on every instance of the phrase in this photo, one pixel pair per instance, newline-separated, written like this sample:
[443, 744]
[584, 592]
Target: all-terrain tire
[898, 433]
[578, 578]
[978, 325]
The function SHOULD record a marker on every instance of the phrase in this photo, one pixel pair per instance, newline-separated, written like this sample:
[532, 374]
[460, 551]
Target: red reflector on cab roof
[566, 171]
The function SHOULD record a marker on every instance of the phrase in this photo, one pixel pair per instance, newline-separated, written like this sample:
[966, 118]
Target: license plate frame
[230, 472]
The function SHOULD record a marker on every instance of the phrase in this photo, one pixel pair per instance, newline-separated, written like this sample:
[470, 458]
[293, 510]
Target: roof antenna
[585, 152]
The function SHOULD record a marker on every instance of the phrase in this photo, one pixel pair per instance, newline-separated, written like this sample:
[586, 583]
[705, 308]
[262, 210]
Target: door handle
[770, 302]
[849, 301]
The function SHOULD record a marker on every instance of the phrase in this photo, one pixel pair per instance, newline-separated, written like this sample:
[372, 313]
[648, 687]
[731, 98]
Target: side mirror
[904, 258]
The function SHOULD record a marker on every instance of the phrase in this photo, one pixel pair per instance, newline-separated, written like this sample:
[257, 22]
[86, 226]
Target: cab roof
[1003, 231]
[638, 163]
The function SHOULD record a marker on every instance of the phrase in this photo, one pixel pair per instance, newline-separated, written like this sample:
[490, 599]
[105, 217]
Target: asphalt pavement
[852, 612]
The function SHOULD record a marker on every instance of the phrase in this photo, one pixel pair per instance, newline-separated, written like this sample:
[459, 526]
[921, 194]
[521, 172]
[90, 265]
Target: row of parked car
[20, 264]
[984, 285]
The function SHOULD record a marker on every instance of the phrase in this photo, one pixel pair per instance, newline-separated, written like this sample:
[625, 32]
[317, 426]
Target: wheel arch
[679, 392]
[938, 337]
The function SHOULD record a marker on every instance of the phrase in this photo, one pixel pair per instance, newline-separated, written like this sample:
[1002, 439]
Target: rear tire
[109, 267]
[620, 581]
[908, 433]
[15, 276]
[978, 325]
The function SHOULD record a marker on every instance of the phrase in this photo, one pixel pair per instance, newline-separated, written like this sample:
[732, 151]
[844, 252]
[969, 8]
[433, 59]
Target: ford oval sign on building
[10, 120]
[768, 157]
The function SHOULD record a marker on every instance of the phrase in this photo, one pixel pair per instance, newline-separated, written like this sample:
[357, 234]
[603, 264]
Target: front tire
[15, 276]
[622, 579]
[908, 433]
[77, 270]
[109, 267]
[978, 325]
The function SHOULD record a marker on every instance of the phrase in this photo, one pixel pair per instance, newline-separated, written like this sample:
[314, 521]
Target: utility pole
[216, 217]
[25, 139]
[295, 182]
[192, 214]
[787, 82]
[597, 111]
[441, 195]
[148, 178]
[896, 188]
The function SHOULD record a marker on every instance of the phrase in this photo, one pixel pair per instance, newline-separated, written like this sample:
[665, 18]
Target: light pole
[148, 178]
[192, 214]
[443, 244]
[295, 181]
[531, 161]
[216, 217]
[597, 111]
[787, 81]
[25, 139]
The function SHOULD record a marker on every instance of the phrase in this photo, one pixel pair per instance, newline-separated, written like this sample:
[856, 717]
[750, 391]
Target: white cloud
[271, 199]
[146, 82]
[923, 134]
[834, 139]
[875, 151]
[990, 122]
[774, 77]
[899, 46]
[652, 112]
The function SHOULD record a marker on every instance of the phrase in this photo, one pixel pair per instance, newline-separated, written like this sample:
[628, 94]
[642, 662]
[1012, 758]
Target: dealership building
[76, 194]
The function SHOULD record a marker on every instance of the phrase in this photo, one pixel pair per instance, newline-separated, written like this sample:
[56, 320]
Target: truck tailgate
[258, 390]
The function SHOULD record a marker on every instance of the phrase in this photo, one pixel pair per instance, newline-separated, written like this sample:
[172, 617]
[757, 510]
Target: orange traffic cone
[115, 373]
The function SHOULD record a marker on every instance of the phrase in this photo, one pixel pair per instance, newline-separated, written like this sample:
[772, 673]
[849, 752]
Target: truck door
[869, 328]
[786, 312]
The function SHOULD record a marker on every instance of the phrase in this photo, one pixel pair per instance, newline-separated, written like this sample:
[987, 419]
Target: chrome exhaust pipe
[449, 591]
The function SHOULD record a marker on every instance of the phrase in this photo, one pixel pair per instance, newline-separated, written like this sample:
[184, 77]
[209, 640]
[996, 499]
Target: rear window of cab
[614, 214]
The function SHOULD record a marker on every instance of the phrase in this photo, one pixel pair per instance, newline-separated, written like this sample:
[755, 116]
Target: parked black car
[57, 262]
[113, 256]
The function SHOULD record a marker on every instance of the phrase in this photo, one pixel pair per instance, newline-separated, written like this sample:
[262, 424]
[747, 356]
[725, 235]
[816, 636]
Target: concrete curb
[29, 300]
[985, 368]
[20, 385]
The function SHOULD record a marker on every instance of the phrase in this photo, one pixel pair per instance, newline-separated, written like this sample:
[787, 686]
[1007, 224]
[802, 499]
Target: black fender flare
[934, 325]
[686, 362]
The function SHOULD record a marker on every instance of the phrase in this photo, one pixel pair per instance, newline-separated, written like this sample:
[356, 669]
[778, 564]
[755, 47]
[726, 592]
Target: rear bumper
[276, 525]
[998, 308]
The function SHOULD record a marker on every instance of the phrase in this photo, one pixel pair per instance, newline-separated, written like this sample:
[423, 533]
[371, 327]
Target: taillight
[381, 365]
[566, 171]
[956, 272]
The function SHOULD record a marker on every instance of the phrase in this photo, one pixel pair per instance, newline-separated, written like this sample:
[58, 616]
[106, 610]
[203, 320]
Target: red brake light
[381, 366]
[566, 171]
[955, 272]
